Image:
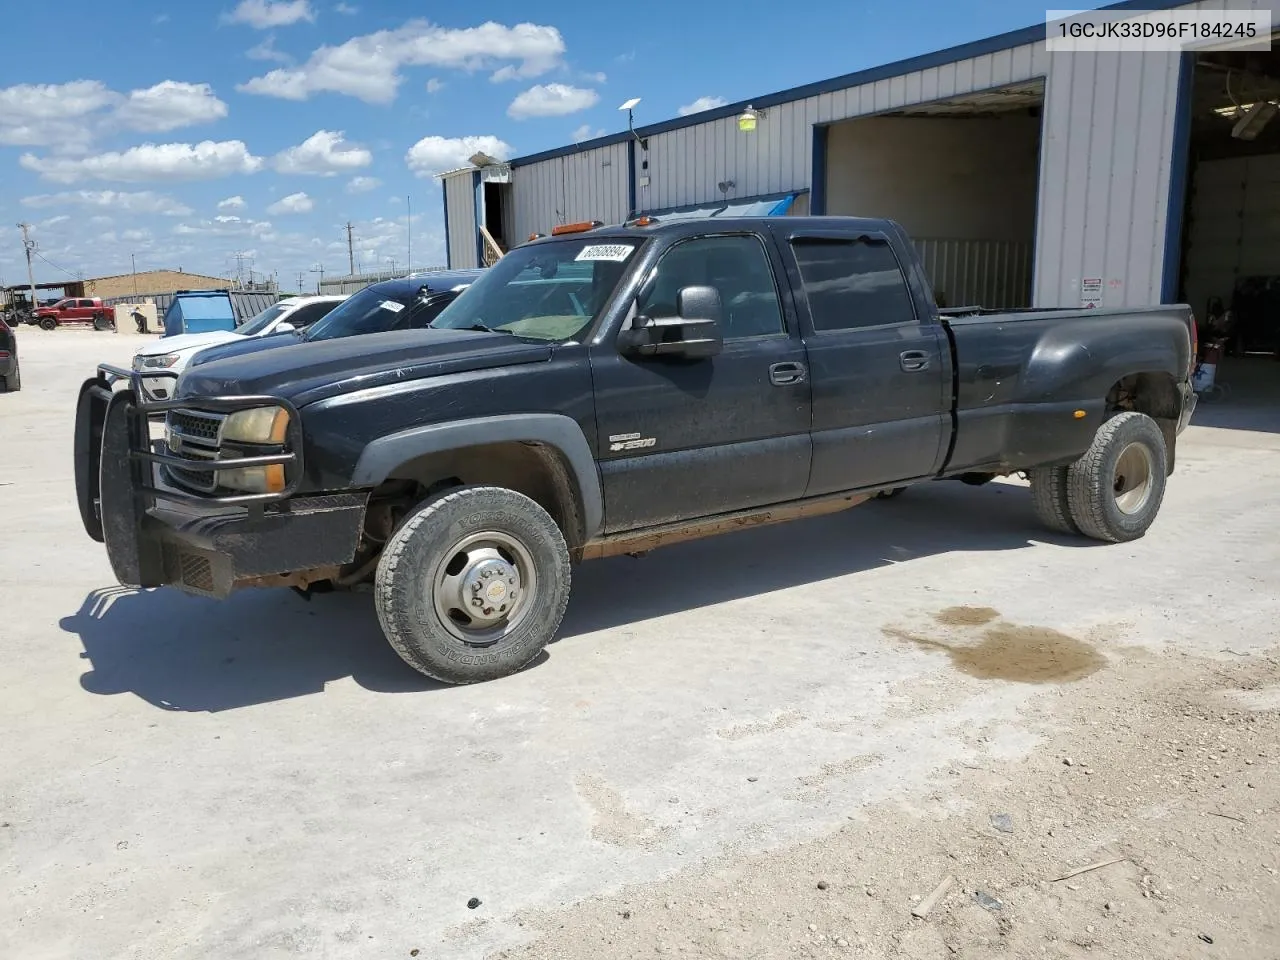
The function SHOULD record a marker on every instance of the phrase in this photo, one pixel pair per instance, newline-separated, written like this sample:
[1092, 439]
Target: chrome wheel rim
[483, 587]
[1131, 480]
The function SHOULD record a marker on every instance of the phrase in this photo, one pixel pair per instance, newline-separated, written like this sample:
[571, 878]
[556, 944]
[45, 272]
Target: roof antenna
[629, 106]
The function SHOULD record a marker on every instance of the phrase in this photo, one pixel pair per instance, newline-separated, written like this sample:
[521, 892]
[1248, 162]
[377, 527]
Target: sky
[224, 137]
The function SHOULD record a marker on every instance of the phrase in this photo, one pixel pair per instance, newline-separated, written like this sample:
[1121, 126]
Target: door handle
[786, 374]
[913, 360]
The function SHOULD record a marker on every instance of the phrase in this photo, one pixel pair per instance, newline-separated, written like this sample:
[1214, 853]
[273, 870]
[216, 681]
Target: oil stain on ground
[966, 616]
[1019, 654]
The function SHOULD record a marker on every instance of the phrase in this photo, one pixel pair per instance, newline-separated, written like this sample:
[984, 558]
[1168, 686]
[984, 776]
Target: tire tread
[1049, 498]
[1089, 487]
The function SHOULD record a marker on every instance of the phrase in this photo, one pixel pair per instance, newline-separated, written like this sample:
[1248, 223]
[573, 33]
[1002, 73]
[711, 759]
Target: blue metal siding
[818, 185]
[1178, 180]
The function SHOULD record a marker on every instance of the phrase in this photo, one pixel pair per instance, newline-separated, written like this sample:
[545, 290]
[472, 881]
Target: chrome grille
[195, 435]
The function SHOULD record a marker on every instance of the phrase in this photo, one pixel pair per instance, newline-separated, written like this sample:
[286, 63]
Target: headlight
[258, 425]
[152, 363]
[268, 479]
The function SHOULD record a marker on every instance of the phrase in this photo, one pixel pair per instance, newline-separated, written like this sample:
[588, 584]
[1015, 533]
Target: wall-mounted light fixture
[747, 119]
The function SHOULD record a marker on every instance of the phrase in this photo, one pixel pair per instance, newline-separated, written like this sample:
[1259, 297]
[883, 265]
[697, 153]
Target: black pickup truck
[609, 390]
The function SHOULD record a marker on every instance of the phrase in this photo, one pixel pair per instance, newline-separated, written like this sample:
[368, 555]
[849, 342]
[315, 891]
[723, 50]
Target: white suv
[171, 354]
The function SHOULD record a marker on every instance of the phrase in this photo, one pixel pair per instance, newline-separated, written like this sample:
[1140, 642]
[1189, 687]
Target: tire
[1116, 488]
[1049, 497]
[13, 382]
[100, 322]
[429, 568]
[890, 494]
[48, 323]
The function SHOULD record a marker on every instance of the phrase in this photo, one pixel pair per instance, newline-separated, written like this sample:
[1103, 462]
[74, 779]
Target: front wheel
[1115, 490]
[48, 323]
[473, 585]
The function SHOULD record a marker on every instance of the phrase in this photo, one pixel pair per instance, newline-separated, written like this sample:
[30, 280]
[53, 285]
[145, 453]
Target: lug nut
[476, 601]
[487, 611]
[475, 587]
[511, 580]
[503, 608]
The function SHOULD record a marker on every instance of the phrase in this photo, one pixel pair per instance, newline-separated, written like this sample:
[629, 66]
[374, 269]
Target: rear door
[880, 367]
[680, 439]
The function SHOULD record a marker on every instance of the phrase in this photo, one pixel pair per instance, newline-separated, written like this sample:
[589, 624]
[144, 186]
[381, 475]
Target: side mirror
[693, 333]
[284, 326]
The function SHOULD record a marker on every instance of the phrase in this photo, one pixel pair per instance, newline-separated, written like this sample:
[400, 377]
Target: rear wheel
[48, 323]
[1049, 497]
[13, 382]
[473, 585]
[890, 494]
[1116, 488]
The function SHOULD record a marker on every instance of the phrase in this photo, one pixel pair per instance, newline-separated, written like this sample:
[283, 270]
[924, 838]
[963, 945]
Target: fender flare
[554, 430]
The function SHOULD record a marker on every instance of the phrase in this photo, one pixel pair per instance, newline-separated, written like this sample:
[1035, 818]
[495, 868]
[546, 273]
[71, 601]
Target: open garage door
[1230, 250]
[961, 176]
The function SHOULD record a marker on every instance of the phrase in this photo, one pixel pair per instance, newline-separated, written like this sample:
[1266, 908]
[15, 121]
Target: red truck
[76, 310]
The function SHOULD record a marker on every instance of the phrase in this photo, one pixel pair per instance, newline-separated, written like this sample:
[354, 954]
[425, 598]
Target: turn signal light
[642, 222]
[580, 227]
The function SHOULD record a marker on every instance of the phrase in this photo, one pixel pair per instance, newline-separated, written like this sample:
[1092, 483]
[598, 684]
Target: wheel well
[1153, 393]
[536, 470]
[1156, 394]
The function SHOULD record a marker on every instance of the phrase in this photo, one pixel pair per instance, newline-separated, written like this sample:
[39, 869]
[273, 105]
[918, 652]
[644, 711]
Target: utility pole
[408, 224]
[29, 245]
[318, 268]
[133, 261]
[351, 251]
[300, 277]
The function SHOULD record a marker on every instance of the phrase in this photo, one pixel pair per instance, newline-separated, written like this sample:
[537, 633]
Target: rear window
[853, 283]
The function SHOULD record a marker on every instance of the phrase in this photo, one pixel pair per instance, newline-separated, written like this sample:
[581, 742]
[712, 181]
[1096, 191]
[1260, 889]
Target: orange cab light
[643, 222]
[581, 227]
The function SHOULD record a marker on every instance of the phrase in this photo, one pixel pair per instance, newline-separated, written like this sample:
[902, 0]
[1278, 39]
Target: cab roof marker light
[581, 227]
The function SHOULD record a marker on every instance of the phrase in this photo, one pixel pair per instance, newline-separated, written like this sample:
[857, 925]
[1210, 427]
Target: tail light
[4, 354]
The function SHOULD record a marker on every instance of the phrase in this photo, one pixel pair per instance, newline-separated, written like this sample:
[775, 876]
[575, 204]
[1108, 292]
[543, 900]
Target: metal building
[1026, 177]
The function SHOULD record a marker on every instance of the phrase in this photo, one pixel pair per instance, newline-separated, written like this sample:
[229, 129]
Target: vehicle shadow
[186, 653]
[928, 519]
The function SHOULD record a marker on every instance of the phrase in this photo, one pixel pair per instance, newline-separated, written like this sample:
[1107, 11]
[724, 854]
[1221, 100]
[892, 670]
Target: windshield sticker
[615, 252]
[391, 305]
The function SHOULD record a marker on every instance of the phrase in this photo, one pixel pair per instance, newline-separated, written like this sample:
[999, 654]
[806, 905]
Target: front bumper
[158, 535]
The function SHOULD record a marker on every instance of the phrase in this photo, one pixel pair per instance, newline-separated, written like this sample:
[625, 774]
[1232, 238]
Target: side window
[304, 316]
[853, 283]
[736, 266]
[84, 304]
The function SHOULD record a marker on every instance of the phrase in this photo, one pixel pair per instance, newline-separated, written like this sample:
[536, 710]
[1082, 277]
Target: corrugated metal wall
[686, 165]
[1104, 176]
[967, 273]
[591, 185]
[460, 232]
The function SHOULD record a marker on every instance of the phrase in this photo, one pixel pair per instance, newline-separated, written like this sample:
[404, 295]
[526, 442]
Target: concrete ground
[262, 777]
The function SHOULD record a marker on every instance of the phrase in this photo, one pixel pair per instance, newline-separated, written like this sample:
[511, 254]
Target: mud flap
[136, 559]
[91, 411]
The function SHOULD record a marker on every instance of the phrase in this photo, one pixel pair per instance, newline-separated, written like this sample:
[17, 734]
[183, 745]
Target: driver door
[680, 439]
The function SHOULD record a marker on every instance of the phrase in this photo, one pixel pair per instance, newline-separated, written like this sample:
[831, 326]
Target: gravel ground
[873, 701]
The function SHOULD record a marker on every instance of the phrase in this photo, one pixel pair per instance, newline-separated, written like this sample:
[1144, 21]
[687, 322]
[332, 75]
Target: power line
[54, 265]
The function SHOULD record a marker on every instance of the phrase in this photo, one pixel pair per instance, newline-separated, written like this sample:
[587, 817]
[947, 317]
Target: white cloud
[597, 77]
[293, 203]
[432, 155]
[140, 202]
[226, 218]
[232, 203]
[702, 103]
[206, 160]
[170, 104]
[265, 14]
[363, 184]
[266, 50]
[347, 9]
[325, 153]
[435, 85]
[136, 236]
[368, 67]
[47, 114]
[551, 100]
[585, 132]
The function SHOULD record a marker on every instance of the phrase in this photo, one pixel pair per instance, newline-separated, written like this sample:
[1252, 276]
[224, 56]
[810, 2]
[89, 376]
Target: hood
[309, 371]
[187, 341]
[240, 345]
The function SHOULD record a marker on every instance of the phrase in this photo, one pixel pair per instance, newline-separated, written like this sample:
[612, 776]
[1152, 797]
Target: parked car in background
[75, 310]
[408, 303]
[10, 379]
[168, 356]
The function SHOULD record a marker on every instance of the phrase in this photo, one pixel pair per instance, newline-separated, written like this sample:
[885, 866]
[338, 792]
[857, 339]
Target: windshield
[546, 291]
[251, 328]
[369, 311]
